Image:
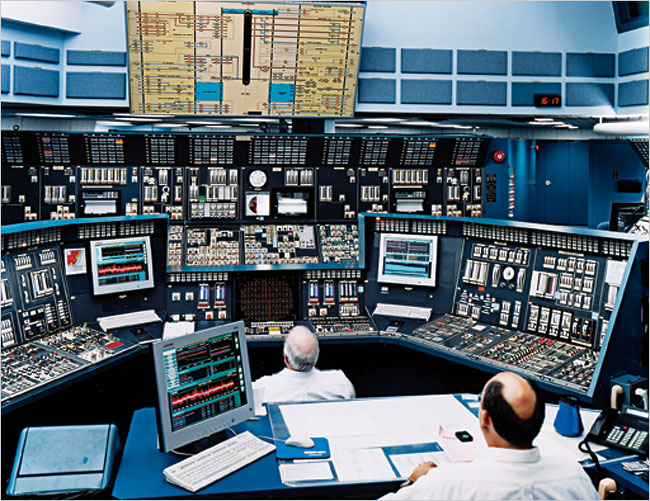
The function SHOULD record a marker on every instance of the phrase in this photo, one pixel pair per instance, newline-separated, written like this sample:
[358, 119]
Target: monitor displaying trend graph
[236, 58]
[408, 259]
[203, 382]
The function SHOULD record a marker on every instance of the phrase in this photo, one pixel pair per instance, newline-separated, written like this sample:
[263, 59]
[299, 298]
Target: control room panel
[353, 236]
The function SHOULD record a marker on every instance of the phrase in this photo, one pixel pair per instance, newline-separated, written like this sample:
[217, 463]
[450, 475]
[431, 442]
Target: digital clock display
[548, 100]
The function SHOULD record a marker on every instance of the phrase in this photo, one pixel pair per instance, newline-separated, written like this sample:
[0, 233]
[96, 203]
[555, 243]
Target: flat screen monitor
[408, 259]
[624, 214]
[121, 265]
[204, 384]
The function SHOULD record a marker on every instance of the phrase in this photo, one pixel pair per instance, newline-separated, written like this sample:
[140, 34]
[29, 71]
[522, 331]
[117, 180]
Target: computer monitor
[121, 265]
[408, 259]
[624, 214]
[204, 384]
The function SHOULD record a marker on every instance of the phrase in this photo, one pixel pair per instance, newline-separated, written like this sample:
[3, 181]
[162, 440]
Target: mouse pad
[320, 450]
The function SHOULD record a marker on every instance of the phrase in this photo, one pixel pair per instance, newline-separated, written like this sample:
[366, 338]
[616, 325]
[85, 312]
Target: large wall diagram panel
[244, 58]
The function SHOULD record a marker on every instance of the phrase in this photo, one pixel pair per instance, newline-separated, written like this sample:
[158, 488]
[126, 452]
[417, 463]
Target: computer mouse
[301, 441]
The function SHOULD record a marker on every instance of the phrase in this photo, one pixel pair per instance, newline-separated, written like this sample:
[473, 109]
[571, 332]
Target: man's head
[300, 349]
[511, 412]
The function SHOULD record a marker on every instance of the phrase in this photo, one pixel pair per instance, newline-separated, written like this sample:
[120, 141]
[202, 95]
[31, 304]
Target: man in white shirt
[510, 416]
[300, 381]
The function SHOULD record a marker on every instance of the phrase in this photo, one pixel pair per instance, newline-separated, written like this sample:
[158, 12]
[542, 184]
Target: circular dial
[508, 273]
[257, 178]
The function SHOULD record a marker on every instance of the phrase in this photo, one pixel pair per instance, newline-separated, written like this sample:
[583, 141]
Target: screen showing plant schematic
[223, 58]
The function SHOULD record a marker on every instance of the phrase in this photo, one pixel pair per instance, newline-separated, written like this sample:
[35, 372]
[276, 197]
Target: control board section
[532, 355]
[535, 299]
[41, 302]
[260, 178]
[56, 356]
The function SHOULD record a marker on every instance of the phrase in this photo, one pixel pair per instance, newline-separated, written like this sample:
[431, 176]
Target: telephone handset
[621, 431]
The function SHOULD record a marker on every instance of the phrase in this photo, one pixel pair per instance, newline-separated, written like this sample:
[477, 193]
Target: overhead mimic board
[226, 58]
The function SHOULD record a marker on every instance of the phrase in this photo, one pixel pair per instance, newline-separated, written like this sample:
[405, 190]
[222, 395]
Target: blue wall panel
[36, 53]
[5, 79]
[523, 93]
[95, 85]
[589, 65]
[544, 64]
[633, 61]
[6, 48]
[587, 94]
[481, 93]
[633, 93]
[96, 58]
[425, 92]
[426, 61]
[377, 90]
[482, 62]
[36, 82]
[377, 59]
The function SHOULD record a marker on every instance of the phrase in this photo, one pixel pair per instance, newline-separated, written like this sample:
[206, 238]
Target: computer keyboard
[401, 311]
[212, 464]
[128, 319]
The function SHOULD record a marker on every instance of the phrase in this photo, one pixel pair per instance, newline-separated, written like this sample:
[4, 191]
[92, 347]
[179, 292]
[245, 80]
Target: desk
[140, 471]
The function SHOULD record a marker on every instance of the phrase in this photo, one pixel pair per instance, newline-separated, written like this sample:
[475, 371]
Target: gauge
[508, 273]
[257, 178]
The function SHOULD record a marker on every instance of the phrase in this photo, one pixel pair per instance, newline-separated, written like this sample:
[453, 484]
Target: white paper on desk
[406, 463]
[357, 424]
[176, 329]
[301, 471]
[362, 464]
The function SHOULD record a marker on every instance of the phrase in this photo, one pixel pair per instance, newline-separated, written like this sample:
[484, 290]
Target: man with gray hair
[300, 381]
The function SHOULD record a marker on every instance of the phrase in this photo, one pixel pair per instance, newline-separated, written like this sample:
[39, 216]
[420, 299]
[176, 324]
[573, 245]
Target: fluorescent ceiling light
[454, 126]
[255, 119]
[627, 128]
[192, 122]
[45, 115]
[143, 115]
[385, 119]
[114, 123]
[169, 125]
[218, 126]
[378, 127]
[349, 125]
[137, 119]
[422, 124]
[544, 119]
[547, 123]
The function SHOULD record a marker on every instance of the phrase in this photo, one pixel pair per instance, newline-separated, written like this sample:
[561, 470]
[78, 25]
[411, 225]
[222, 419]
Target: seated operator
[510, 416]
[300, 381]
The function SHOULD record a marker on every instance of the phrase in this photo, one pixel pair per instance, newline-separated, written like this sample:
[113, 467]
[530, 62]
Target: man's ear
[484, 419]
[286, 361]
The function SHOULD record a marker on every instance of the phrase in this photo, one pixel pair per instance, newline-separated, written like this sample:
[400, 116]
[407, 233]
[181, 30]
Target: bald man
[511, 414]
[300, 381]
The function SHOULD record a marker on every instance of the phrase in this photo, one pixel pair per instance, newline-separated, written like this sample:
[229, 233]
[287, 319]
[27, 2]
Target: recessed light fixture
[547, 123]
[218, 126]
[544, 120]
[349, 125]
[169, 125]
[378, 126]
[45, 115]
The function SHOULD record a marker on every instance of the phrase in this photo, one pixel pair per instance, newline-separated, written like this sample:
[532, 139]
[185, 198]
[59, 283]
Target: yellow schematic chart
[227, 58]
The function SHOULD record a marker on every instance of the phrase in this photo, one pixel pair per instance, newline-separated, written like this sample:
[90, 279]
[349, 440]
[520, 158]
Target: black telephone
[620, 430]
